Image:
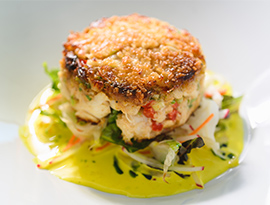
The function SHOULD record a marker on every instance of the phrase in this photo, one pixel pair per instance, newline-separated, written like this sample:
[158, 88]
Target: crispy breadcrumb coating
[132, 58]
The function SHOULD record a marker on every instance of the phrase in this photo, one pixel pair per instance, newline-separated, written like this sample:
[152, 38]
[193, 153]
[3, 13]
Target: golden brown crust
[132, 58]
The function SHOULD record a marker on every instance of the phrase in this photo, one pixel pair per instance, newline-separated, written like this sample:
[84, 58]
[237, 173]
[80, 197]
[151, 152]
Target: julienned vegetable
[203, 124]
[181, 154]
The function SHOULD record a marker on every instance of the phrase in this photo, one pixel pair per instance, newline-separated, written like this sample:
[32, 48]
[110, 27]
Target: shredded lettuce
[161, 149]
[231, 103]
[171, 155]
[53, 74]
[54, 114]
[169, 151]
[207, 107]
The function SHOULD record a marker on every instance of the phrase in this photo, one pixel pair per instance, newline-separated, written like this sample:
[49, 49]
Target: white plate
[19, 177]
[234, 36]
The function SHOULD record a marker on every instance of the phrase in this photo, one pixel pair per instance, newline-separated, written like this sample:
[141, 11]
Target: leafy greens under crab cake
[133, 111]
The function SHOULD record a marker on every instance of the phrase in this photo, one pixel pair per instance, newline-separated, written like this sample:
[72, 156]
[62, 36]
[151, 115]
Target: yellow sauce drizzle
[111, 170]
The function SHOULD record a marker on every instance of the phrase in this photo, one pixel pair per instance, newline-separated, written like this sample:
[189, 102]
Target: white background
[235, 39]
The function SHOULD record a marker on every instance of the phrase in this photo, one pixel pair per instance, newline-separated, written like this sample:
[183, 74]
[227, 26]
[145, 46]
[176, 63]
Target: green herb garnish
[190, 102]
[112, 133]
[132, 174]
[88, 97]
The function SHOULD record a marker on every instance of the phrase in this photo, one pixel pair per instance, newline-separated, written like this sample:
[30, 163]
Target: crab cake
[148, 70]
